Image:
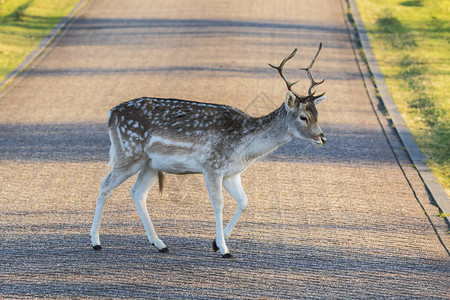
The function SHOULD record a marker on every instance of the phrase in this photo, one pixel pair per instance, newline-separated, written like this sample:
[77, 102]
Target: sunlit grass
[23, 24]
[410, 40]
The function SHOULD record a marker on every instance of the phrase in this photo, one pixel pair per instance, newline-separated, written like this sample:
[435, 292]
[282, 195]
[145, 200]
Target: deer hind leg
[116, 177]
[214, 186]
[233, 186]
[146, 179]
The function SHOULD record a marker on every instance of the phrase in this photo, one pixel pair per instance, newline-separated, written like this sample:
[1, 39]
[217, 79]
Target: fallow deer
[153, 136]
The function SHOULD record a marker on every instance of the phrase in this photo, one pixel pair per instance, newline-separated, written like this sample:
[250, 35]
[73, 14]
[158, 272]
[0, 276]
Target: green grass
[23, 24]
[410, 40]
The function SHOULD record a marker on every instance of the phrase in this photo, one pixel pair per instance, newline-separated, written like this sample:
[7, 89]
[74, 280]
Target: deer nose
[322, 138]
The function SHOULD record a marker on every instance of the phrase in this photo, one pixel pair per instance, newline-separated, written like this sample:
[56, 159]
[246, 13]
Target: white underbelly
[180, 164]
[173, 156]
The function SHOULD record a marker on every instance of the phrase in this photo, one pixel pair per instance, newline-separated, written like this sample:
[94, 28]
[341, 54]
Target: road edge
[46, 41]
[435, 189]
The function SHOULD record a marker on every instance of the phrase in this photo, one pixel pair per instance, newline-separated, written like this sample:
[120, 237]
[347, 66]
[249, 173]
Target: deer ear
[290, 100]
[320, 99]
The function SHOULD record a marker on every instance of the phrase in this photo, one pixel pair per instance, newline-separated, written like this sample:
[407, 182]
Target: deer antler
[308, 72]
[281, 66]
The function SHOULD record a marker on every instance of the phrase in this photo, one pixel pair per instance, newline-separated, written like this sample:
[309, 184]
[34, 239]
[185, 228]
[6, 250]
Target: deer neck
[270, 132]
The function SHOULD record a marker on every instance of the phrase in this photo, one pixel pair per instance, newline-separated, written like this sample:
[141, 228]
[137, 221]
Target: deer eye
[303, 118]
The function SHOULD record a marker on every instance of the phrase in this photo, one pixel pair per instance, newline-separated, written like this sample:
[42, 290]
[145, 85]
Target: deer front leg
[233, 186]
[214, 186]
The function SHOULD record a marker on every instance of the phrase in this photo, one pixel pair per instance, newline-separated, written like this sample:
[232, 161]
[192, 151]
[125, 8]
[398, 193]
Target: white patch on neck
[261, 146]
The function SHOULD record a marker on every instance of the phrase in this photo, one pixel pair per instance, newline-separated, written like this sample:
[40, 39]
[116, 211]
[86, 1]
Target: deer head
[302, 109]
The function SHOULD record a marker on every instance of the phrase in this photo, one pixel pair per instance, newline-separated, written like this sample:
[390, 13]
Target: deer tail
[161, 179]
[112, 122]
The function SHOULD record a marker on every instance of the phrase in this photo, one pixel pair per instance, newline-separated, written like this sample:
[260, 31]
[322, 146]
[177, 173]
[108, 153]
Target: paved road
[342, 221]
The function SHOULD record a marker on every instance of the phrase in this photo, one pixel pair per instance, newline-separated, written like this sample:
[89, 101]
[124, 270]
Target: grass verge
[410, 40]
[23, 24]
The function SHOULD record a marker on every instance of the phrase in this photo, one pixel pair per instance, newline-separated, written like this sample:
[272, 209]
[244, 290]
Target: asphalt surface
[351, 219]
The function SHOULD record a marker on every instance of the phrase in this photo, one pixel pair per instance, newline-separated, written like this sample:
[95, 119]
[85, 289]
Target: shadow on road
[30, 258]
[90, 143]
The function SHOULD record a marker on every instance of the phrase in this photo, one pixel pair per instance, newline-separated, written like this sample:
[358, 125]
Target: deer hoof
[227, 255]
[97, 247]
[164, 250]
[214, 246]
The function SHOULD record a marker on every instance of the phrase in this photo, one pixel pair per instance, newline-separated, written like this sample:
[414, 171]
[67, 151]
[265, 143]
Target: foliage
[23, 24]
[410, 40]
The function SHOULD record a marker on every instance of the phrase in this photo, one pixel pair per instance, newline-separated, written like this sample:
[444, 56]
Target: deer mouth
[320, 140]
